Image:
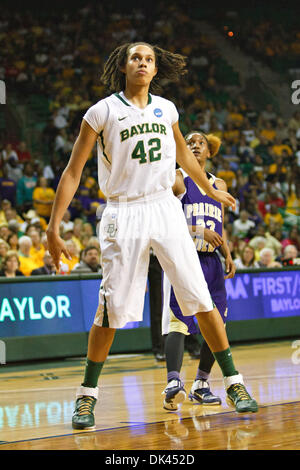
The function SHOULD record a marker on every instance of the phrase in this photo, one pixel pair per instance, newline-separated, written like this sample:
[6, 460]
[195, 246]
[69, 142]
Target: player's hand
[213, 238]
[229, 268]
[56, 246]
[225, 198]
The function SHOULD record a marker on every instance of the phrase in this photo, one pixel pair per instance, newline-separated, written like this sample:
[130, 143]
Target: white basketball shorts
[127, 231]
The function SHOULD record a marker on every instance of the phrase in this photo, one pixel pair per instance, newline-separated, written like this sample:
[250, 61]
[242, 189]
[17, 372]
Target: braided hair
[169, 65]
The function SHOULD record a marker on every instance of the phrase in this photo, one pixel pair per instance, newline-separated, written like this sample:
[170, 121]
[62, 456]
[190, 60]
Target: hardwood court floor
[37, 400]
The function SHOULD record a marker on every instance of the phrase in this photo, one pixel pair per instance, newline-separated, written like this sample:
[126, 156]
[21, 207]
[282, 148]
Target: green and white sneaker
[83, 416]
[237, 395]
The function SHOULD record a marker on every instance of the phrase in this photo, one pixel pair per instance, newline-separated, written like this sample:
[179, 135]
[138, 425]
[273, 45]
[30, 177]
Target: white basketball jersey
[136, 147]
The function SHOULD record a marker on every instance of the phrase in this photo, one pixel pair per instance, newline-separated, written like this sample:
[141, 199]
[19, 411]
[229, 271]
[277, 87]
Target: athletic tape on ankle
[87, 391]
[233, 379]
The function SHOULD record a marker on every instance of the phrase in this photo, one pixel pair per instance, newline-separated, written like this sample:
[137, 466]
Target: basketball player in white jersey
[138, 139]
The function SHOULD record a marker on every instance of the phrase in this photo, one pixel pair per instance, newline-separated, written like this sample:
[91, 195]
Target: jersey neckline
[125, 101]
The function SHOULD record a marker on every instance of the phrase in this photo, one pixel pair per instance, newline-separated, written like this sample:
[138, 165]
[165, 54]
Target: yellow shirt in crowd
[43, 194]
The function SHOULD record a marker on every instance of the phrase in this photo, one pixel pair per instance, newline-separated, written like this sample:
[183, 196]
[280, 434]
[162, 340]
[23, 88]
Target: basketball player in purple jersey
[206, 222]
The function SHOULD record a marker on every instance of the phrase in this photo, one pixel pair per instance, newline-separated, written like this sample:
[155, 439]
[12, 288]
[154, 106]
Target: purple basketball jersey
[201, 211]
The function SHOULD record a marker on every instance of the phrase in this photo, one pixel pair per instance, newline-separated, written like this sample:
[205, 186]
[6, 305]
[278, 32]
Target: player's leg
[100, 341]
[200, 390]
[174, 393]
[193, 295]
[175, 330]
[121, 299]
[214, 276]
[212, 329]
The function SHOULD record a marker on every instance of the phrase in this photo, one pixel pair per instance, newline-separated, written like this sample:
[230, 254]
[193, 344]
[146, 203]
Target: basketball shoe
[174, 395]
[201, 392]
[237, 395]
[83, 416]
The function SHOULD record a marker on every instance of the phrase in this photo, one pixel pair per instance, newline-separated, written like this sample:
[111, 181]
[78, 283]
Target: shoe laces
[241, 391]
[85, 405]
[201, 384]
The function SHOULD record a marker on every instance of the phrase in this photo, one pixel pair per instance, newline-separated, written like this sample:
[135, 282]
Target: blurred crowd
[270, 35]
[259, 158]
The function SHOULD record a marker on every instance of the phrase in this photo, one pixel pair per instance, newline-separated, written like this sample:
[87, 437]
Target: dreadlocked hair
[213, 142]
[169, 65]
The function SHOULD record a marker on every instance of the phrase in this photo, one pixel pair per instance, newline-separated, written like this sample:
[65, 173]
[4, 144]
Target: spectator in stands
[253, 212]
[23, 153]
[8, 152]
[32, 218]
[43, 197]
[294, 122]
[25, 187]
[67, 223]
[10, 265]
[290, 254]
[272, 241]
[8, 188]
[59, 120]
[13, 242]
[12, 170]
[5, 204]
[92, 203]
[262, 149]
[4, 248]
[282, 131]
[4, 231]
[227, 174]
[74, 234]
[248, 132]
[37, 250]
[268, 115]
[60, 142]
[94, 241]
[236, 117]
[268, 132]
[276, 197]
[247, 259]
[220, 113]
[48, 267]
[90, 262]
[74, 253]
[293, 199]
[266, 259]
[293, 238]
[244, 151]
[27, 264]
[242, 225]
[278, 147]
[258, 243]
[273, 216]
[231, 134]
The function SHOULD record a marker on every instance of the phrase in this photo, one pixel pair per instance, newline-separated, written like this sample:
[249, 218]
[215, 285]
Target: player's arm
[188, 162]
[67, 187]
[179, 186]
[229, 264]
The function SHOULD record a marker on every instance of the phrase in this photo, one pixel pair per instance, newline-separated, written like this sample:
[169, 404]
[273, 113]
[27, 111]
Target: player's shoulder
[220, 183]
[160, 100]
[162, 107]
[107, 99]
